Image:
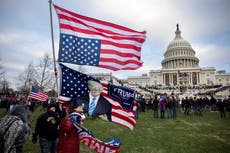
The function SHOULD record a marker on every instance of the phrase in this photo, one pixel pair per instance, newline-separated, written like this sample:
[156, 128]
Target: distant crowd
[167, 106]
[54, 129]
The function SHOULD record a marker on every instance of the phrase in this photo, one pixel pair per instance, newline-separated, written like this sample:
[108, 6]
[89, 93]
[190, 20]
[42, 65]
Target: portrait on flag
[85, 91]
[94, 104]
[76, 85]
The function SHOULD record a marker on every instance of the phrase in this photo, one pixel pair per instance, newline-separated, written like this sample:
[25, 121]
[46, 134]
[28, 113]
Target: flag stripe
[119, 45]
[98, 23]
[84, 24]
[63, 99]
[122, 122]
[99, 33]
[37, 94]
[83, 35]
[132, 52]
[121, 54]
[118, 61]
[113, 66]
[121, 41]
[118, 114]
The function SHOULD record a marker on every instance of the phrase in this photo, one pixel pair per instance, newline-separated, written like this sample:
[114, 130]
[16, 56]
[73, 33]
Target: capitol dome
[179, 54]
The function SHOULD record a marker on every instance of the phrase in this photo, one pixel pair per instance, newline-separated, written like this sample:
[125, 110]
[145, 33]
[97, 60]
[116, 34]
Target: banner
[123, 94]
[87, 138]
[75, 84]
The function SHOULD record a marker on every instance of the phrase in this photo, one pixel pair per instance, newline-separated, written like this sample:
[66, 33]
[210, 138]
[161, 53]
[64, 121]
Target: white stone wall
[222, 79]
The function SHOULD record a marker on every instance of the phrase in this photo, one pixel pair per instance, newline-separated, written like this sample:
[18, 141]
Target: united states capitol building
[180, 67]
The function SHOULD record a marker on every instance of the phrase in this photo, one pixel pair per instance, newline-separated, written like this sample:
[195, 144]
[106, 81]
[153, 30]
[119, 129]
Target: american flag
[89, 41]
[75, 84]
[119, 115]
[38, 94]
[86, 137]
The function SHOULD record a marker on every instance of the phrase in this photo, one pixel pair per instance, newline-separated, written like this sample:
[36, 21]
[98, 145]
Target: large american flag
[89, 41]
[37, 94]
[75, 84]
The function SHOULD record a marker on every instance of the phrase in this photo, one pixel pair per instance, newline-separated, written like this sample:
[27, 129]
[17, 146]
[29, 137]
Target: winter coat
[68, 140]
[162, 105]
[47, 126]
[17, 130]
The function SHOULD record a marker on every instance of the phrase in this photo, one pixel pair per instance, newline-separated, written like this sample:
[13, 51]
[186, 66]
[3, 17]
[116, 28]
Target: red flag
[89, 41]
[38, 94]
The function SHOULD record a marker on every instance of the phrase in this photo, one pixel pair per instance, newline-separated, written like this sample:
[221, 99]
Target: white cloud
[212, 55]
[23, 46]
[27, 37]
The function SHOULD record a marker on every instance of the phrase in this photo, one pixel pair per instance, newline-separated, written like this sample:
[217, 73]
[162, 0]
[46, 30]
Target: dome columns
[181, 78]
[179, 63]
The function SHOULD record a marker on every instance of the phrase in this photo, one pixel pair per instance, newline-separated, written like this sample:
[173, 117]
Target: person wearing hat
[68, 140]
[47, 129]
[94, 104]
[14, 130]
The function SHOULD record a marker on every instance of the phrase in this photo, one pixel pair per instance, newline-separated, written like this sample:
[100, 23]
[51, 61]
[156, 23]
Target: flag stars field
[86, 54]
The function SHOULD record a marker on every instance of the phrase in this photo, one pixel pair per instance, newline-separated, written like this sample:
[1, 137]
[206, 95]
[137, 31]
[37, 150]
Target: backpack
[2, 140]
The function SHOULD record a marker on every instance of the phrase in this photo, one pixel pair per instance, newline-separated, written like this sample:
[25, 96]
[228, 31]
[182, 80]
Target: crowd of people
[167, 106]
[54, 128]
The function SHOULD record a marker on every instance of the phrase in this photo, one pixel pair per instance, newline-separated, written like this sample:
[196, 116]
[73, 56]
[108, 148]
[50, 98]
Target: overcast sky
[25, 33]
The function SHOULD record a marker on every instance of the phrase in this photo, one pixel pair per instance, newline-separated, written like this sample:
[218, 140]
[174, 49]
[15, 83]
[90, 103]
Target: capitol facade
[180, 66]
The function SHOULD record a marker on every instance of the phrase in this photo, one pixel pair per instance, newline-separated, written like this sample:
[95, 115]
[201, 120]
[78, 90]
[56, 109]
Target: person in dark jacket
[221, 108]
[168, 107]
[187, 105]
[155, 107]
[162, 108]
[47, 129]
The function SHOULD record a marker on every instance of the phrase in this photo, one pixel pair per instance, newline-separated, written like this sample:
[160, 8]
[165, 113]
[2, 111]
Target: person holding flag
[72, 132]
[68, 140]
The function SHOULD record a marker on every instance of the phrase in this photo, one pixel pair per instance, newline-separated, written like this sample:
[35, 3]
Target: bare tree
[4, 84]
[2, 72]
[44, 76]
[41, 76]
[25, 79]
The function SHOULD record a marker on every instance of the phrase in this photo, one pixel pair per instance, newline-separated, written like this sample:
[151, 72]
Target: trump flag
[75, 84]
[89, 41]
[86, 137]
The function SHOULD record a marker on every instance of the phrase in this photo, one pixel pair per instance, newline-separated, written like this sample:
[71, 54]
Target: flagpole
[52, 37]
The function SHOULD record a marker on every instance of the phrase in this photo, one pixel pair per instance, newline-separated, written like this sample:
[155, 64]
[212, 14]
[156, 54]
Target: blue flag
[123, 94]
[73, 83]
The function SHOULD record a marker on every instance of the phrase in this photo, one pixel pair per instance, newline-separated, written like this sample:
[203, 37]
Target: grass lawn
[186, 134]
